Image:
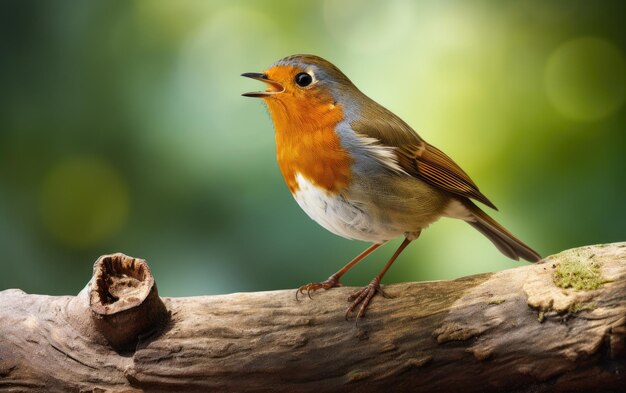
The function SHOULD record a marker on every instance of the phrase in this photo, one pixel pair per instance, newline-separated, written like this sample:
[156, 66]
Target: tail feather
[504, 240]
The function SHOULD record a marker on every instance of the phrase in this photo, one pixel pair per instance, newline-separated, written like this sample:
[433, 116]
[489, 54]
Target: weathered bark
[508, 331]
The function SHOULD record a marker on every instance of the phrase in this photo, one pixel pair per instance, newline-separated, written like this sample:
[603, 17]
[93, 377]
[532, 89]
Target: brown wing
[415, 156]
[430, 164]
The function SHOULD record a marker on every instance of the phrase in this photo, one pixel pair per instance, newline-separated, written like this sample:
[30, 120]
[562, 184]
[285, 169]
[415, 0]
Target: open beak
[273, 86]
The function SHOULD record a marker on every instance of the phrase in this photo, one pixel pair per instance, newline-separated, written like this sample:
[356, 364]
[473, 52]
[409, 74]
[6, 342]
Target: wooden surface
[507, 331]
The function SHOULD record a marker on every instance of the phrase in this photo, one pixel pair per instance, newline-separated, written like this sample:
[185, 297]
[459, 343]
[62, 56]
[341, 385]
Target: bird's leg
[364, 296]
[333, 281]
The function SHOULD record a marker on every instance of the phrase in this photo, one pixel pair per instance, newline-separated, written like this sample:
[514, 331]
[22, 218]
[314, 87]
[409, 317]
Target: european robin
[361, 172]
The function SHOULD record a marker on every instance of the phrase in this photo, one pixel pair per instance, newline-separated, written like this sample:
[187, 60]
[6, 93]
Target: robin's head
[302, 87]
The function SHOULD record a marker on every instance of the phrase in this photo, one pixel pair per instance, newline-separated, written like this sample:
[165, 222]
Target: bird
[361, 172]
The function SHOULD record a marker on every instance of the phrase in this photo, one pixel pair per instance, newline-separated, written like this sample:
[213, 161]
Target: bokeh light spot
[585, 78]
[83, 201]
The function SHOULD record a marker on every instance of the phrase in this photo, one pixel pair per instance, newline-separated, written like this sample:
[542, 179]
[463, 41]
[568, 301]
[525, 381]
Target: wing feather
[417, 157]
[430, 164]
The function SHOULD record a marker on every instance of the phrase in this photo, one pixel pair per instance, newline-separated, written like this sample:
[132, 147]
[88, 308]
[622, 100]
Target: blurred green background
[122, 128]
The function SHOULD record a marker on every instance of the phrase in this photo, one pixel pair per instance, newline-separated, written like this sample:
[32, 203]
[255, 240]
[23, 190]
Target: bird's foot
[363, 297]
[331, 282]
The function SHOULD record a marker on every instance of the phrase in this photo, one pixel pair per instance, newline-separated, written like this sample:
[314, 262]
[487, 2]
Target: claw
[314, 286]
[362, 298]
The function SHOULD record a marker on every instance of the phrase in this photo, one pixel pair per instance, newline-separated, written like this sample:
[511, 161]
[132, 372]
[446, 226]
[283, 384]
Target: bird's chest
[316, 155]
[318, 171]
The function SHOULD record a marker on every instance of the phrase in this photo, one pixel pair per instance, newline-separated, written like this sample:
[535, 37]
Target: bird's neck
[308, 145]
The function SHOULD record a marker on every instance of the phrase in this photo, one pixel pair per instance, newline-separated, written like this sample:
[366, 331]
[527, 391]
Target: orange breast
[307, 144]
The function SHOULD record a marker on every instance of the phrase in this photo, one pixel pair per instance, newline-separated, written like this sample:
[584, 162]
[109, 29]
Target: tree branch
[511, 330]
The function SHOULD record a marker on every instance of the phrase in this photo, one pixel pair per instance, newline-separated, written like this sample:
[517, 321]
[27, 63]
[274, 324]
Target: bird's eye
[303, 79]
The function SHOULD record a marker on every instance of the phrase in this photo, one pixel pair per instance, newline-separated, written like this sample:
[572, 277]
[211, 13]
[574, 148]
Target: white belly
[339, 216]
